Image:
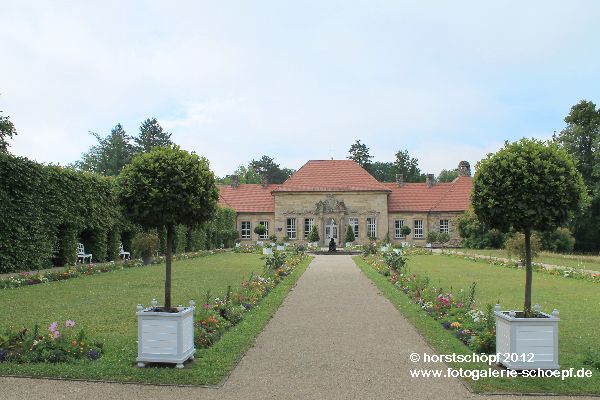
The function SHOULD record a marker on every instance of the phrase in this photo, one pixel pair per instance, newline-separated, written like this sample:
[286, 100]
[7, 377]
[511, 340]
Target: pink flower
[53, 326]
[69, 323]
[206, 306]
[55, 334]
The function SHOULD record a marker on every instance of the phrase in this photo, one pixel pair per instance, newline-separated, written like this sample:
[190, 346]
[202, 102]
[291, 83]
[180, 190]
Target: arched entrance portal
[331, 230]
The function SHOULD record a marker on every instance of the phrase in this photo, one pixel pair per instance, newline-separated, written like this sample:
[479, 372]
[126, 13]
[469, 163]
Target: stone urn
[527, 343]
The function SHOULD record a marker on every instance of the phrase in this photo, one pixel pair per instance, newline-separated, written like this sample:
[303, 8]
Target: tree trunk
[528, 273]
[168, 269]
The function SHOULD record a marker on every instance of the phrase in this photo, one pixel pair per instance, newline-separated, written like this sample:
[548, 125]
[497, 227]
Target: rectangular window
[308, 225]
[291, 228]
[444, 226]
[353, 222]
[418, 229]
[266, 225]
[372, 227]
[398, 224]
[245, 229]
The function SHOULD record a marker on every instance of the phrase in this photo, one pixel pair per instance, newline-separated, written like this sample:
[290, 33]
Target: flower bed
[64, 345]
[565, 272]
[217, 315]
[78, 270]
[454, 310]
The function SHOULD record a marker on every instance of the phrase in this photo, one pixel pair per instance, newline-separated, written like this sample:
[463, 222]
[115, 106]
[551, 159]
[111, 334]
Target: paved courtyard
[334, 337]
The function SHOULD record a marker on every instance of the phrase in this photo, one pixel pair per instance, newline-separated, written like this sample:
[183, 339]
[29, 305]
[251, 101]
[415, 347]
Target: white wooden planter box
[267, 250]
[384, 249]
[280, 248]
[165, 337]
[527, 343]
[398, 251]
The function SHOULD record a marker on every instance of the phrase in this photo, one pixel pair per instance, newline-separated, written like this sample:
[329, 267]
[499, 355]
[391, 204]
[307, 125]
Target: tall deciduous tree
[267, 168]
[447, 175]
[110, 155]
[7, 131]
[409, 167]
[528, 185]
[152, 135]
[167, 187]
[359, 152]
[581, 139]
[383, 171]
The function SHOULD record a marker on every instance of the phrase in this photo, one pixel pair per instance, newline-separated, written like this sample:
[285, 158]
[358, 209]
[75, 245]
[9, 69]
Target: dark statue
[332, 246]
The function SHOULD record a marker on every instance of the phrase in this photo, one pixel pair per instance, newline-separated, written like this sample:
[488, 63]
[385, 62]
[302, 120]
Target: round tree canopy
[168, 186]
[527, 185]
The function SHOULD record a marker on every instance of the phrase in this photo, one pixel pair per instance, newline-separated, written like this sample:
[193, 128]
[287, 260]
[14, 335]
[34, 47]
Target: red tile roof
[250, 198]
[453, 196]
[331, 176]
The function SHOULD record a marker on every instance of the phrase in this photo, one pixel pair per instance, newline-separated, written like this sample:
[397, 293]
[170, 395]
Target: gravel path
[334, 337]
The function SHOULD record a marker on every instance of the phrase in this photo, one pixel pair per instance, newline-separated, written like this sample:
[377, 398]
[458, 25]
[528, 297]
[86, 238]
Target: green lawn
[565, 260]
[105, 306]
[578, 302]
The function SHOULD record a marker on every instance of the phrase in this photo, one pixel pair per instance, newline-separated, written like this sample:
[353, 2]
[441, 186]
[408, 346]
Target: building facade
[333, 194]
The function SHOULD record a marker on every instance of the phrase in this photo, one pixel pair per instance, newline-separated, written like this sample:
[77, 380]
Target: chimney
[235, 181]
[264, 182]
[400, 179]
[464, 168]
[429, 180]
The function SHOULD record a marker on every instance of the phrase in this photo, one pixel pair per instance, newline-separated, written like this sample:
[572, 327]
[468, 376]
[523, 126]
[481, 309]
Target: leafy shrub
[405, 230]
[370, 248]
[432, 236]
[349, 235]
[476, 236]
[515, 246]
[275, 261]
[313, 236]
[145, 244]
[559, 241]
[395, 261]
[443, 237]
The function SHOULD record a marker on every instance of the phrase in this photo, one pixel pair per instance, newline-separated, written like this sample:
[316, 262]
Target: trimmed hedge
[46, 210]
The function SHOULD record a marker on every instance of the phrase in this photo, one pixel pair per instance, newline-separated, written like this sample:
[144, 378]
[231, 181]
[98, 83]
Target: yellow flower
[455, 325]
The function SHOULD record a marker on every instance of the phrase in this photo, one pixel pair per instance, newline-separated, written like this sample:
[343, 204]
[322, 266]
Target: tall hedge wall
[46, 210]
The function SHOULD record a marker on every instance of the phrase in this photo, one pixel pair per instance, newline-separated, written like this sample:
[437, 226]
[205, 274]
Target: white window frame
[444, 225]
[353, 222]
[398, 224]
[291, 228]
[371, 227]
[245, 232]
[266, 225]
[308, 227]
[418, 229]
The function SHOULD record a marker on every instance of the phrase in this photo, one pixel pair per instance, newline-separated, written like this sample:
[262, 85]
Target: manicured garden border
[213, 365]
[443, 341]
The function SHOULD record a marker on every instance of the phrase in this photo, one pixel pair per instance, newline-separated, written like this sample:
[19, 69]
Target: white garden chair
[125, 255]
[81, 254]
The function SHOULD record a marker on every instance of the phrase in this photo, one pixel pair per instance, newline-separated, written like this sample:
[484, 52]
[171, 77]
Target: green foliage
[271, 171]
[592, 358]
[313, 236]
[7, 131]
[45, 209]
[275, 261]
[145, 244]
[395, 261]
[349, 235]
[110, 155]
[386, 238]
[443, 237]
[515, 246]
[369, 248]
[260, 229]
[152, 135]
[559, 241]
[359, 152]
[405, 230]
[432, 236]
[408, 167]
[382, 171]
[447, 175]
[475, 235]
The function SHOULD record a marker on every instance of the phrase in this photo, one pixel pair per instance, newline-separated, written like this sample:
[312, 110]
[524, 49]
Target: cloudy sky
[296, 80]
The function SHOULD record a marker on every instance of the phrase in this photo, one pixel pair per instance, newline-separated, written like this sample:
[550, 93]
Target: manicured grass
[577, 301]
[588, 262]
[105, 306]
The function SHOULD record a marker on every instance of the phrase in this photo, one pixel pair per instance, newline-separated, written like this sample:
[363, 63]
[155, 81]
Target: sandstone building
[332, 194]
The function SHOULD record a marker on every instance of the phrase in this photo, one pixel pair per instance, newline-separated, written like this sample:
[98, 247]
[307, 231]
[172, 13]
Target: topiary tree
[432, 236]
[405, 230]
[313, 236]
[260, 229]
[166, 187]
[349, 235]
[527, 185]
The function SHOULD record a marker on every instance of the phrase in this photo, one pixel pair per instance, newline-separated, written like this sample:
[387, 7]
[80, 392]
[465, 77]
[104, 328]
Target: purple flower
[69, 323]
[55, 334]
[93, 355]
[53, 326]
